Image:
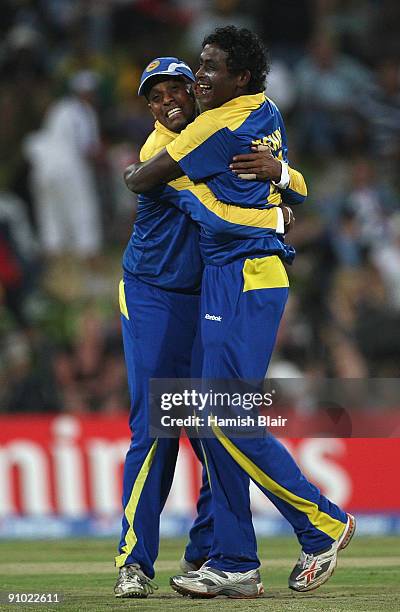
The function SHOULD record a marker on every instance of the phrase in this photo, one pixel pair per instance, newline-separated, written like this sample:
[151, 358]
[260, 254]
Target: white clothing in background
[66, 200]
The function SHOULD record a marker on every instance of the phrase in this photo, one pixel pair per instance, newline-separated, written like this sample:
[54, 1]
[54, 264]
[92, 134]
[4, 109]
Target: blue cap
[170, 66]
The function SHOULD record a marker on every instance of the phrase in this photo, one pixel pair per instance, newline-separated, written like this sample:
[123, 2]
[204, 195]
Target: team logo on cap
[152, 66]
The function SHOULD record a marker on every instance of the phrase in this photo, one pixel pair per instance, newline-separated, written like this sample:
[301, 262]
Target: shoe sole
[227, 592]
[344, 541]
[131, 595]
[348, 533]
[188, 593]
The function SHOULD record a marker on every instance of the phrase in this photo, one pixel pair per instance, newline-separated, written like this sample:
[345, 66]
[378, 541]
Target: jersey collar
[250, 101]
[159, 127]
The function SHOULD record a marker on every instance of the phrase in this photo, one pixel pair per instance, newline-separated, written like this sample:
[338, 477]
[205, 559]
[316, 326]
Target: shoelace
[149, 585]
[307, 560]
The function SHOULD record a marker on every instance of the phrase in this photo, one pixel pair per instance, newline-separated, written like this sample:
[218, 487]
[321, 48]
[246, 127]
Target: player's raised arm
[143, 176]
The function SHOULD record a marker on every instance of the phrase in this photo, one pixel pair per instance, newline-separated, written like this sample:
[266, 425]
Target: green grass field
[367, 578]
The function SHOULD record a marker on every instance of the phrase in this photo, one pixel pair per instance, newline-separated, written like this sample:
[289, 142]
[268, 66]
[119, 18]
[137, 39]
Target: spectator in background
[329, 85]
[386, 257]
[281, 87]
[371, 201]
[345, 240]
[380, 106]
[19, 258]
[362, 326]
[62, 155]
[367, 200]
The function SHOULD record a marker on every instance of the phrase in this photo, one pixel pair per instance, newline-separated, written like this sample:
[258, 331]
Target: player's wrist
[283, 181]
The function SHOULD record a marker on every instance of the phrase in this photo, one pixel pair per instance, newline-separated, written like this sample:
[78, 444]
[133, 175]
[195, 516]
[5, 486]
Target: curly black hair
[245, 52]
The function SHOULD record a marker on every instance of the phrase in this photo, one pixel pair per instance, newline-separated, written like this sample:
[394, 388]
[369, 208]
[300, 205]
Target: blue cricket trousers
[159, 328]
[246, 300]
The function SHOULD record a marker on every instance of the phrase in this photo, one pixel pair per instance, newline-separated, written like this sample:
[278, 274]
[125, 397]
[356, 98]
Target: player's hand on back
[258, 165]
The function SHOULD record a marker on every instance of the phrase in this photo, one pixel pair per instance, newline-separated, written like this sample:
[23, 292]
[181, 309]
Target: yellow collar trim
[159, 127]
[247, 101]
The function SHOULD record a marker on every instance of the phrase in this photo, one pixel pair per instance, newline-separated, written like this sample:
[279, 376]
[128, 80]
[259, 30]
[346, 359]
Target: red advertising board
[72, 466]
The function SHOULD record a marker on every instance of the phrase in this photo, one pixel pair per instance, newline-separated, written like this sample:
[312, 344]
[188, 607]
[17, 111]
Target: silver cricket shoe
[313, 570]
[132, 582]
[209, 582]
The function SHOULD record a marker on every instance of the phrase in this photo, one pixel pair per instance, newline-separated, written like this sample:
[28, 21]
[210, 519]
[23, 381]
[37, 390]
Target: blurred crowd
[71, 121]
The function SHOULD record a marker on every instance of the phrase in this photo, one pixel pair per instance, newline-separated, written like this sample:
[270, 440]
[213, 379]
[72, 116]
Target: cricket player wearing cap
[159, 301]
[247, 287]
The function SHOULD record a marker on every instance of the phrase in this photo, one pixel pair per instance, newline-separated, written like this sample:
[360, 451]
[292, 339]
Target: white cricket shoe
[314, 569]
[209, 582]
[132, 582]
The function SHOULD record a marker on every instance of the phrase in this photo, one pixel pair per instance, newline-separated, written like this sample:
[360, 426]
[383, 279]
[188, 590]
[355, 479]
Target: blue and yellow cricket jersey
[205, 149]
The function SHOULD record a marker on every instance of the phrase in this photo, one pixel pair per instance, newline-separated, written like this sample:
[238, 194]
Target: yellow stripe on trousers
[322, 521]
[122, 300]
[130, 510]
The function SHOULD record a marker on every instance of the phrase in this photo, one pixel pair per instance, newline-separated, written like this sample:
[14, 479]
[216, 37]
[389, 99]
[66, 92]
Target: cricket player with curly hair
[246, 285]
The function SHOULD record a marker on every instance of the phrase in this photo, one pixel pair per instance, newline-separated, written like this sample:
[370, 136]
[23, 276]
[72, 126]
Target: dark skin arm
[259, 165]
[143, 176]
[161, 168]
